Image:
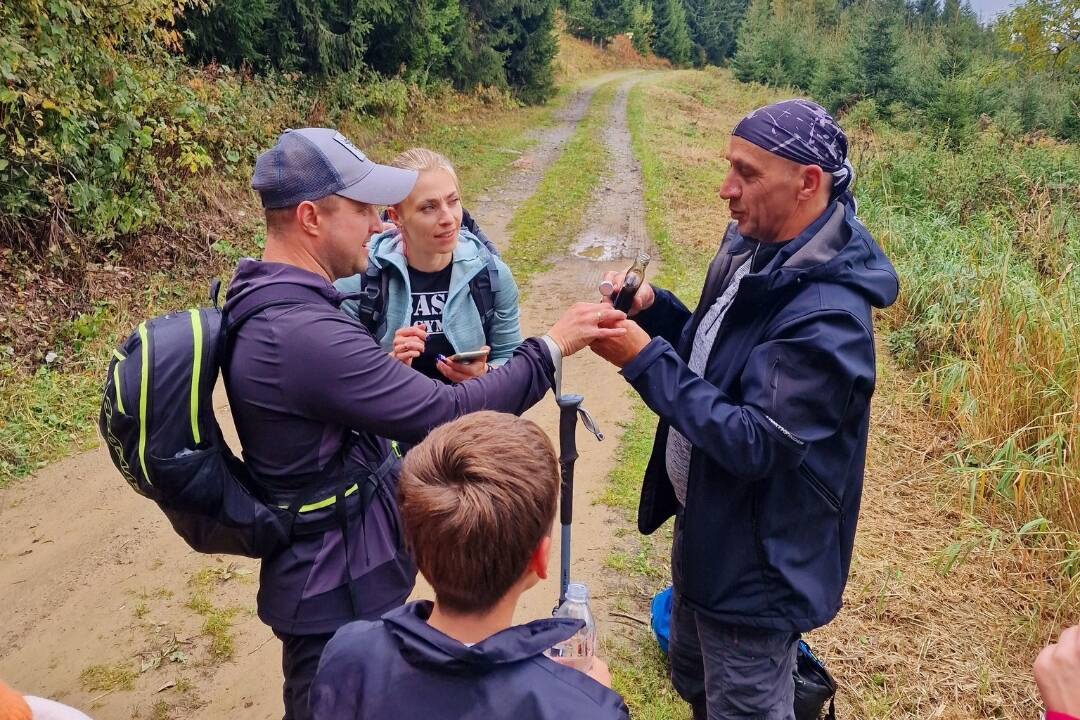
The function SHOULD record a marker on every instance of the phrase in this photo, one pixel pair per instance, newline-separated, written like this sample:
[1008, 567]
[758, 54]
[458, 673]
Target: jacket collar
[835, 248]
[386, 252]
[815, 246]
[423, 645]
[252, 275]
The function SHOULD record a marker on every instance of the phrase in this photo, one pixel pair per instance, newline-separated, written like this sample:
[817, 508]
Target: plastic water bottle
[579, 650]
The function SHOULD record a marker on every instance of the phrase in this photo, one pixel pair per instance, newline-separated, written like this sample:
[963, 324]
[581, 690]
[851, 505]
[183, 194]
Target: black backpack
[157, 418]
[814, 686]
[371, 306]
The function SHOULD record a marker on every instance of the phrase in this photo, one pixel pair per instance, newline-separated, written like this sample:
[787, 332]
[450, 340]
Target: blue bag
[661, 617]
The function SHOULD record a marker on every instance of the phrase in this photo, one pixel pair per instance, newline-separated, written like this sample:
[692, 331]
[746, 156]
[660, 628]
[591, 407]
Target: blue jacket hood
[836, 247]
[401, 667]
[423, 646]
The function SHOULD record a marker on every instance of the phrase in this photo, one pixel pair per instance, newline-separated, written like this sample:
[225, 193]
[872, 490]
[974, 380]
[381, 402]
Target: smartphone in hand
[469, 356]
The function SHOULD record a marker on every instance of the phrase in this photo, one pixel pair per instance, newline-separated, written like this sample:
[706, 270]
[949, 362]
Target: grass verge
[548, 220]
[639, 669]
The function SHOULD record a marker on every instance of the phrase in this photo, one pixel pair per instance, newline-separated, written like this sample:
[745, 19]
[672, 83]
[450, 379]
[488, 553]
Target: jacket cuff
[648, 355]
[654, 314]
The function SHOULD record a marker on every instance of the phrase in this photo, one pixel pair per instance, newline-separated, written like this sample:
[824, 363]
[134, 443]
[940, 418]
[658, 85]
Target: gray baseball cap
[312, 163]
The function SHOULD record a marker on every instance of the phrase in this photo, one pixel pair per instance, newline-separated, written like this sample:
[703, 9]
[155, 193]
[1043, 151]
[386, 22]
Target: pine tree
[714, 25]
[415, 39]
[612, 16]
[231, 33]
[672, 33]
[751, 43]
[531, 48]
[877, 56]
[641, 25]
[320, 37]
[927, 12]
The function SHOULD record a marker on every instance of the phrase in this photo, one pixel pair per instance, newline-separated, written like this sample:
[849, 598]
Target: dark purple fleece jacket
[310, 389]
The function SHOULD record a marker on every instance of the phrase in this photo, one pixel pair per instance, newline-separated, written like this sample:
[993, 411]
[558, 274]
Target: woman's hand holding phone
[463, 366]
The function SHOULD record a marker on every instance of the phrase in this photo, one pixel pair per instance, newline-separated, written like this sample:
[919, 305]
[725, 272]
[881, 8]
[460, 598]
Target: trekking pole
[569, 410]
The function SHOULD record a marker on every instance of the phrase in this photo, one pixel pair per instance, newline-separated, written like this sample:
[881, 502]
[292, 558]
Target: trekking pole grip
[568, 454]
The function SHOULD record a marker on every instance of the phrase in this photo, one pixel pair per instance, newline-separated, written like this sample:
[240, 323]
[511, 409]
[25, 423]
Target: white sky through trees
[988, 9]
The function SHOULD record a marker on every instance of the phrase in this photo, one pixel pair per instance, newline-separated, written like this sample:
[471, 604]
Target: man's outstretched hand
[585, 323]
[620, 350]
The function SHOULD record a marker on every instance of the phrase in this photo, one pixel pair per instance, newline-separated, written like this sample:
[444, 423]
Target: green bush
[87, 130]
[110, 135]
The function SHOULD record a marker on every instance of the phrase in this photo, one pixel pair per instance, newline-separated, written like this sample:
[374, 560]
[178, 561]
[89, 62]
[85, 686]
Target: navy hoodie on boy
[401, 667]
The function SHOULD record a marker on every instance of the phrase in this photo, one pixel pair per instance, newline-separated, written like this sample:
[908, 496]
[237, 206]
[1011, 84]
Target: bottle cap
[577, 592]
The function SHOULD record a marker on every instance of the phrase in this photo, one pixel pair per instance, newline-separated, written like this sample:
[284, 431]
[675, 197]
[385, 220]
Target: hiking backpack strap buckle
[372, 301]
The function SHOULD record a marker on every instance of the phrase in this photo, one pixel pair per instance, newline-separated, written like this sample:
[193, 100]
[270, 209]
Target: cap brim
[382, 186]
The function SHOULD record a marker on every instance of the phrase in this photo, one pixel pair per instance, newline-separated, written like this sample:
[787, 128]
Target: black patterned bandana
[802, 131]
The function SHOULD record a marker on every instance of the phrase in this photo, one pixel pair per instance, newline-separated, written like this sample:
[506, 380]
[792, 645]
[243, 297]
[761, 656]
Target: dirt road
[106, 609]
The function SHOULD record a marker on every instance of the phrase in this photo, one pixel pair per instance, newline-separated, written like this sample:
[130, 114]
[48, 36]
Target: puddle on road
[601, 247]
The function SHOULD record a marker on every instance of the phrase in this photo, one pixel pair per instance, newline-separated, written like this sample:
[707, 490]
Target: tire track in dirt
[92, 574]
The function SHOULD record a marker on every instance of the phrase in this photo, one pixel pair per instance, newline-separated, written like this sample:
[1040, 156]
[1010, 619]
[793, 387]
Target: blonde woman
[433, 289]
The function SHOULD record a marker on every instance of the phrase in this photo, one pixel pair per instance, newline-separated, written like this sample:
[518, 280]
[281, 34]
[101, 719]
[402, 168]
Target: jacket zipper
[775, 380]
[828, 495]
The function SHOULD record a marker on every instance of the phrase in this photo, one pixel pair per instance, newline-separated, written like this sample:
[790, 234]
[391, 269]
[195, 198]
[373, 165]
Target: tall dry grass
[987, 239]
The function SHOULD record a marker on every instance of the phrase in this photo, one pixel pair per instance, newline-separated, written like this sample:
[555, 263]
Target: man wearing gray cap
[763, 395]
[314, 395]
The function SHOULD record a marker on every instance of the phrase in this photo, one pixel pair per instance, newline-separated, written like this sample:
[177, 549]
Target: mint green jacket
[461, 319]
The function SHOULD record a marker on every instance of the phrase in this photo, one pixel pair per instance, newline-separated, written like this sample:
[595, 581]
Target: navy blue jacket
[401, 667]
[778, 424]
[314, 397]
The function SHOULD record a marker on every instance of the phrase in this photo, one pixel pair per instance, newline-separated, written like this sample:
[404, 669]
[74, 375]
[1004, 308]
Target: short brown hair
[477, 496]
[278, 218]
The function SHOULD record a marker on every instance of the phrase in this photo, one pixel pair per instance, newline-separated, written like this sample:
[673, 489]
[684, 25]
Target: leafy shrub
[111, 135]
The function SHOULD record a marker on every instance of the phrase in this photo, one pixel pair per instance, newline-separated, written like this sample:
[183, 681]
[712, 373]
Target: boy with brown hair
[477, 499]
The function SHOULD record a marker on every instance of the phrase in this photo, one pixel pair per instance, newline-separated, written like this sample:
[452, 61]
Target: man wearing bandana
[763, 394]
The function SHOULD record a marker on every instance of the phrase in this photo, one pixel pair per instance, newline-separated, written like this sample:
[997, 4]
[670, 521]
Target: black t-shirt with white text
[429, 291]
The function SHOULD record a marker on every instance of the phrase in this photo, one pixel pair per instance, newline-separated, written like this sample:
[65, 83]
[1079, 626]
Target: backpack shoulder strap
[231, 324]
[469, 223]
[371, 311]
[483, 287]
